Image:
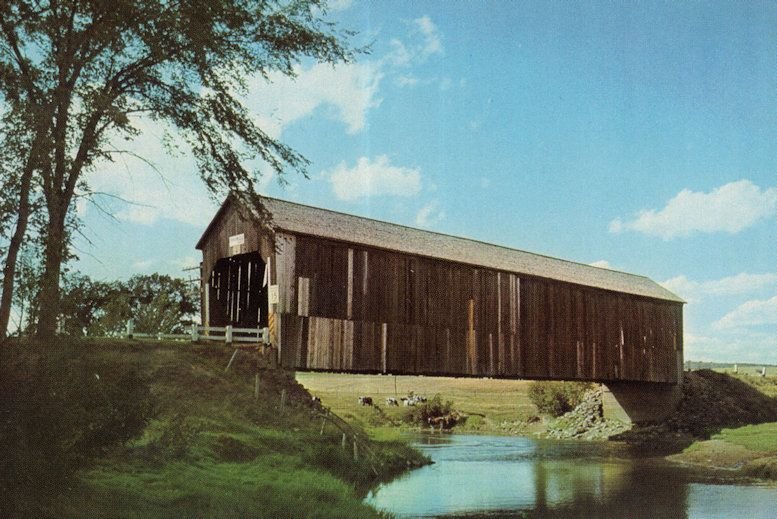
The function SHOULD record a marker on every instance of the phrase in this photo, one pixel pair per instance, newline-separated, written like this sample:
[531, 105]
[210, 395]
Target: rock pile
[586, 421]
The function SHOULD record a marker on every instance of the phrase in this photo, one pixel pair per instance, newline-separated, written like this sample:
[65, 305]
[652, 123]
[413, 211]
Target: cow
[391, 401]
[413, 400]
[365, 400]
[316, 399]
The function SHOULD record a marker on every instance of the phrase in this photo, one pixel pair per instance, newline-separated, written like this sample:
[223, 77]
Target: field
[493, 405]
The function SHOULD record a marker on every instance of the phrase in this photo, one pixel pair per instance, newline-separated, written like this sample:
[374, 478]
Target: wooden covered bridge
[350, 294]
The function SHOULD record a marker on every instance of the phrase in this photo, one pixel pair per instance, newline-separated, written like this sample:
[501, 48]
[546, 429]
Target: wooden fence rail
[225, 334]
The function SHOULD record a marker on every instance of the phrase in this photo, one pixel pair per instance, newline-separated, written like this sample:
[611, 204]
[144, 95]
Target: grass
[750, 449]
[761, 437]
[212, 449]
[493, 405]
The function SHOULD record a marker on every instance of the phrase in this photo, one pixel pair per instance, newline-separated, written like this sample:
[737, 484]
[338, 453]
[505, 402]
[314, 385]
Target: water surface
[477, 476]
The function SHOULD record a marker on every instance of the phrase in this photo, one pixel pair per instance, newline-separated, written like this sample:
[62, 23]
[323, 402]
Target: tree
[17, 165]
[81, 70]
[156, 303]
[82, 303]
[160, 303]
[25, 295]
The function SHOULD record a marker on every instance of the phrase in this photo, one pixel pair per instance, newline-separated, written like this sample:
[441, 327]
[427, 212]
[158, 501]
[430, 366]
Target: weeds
[557, 398]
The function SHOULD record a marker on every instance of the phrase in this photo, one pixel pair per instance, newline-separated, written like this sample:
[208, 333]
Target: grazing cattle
[316, 400]
[391, 401]
[413, 400]
[365, 400]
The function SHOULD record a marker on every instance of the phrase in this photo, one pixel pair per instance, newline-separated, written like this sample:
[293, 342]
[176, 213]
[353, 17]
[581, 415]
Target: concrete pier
[640, 402]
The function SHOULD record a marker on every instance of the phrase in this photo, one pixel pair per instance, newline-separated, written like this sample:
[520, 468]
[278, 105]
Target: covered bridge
[353, 294]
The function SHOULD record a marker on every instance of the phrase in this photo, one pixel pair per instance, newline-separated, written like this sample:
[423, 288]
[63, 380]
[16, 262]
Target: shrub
[178, 436]
[432, 411]
[57, 414]
[557, 398]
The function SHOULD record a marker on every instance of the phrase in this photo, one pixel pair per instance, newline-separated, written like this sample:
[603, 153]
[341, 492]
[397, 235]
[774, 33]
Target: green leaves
[79, 70]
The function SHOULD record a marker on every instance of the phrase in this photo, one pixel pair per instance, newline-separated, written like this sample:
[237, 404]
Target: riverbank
[726, 443]
[714, 403]
[749, 451]
[202, 439]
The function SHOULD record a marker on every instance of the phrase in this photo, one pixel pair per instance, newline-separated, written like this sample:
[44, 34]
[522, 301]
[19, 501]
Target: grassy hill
[148, 429]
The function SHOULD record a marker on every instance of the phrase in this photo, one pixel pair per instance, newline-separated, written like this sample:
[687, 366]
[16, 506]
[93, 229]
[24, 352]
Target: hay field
[489, 402]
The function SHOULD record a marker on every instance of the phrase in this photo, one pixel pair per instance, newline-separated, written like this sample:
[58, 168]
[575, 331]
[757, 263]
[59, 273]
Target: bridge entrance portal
[237, 292]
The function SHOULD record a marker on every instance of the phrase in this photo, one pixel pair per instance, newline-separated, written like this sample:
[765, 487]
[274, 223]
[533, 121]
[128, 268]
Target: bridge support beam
[640, 402]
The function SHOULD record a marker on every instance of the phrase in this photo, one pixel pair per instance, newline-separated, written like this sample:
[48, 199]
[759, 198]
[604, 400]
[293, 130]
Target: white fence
[226, 334]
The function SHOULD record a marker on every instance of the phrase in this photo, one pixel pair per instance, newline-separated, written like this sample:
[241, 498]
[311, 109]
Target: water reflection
[495, 476]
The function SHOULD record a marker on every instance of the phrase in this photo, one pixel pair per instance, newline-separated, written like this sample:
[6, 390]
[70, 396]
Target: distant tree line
[155, 303]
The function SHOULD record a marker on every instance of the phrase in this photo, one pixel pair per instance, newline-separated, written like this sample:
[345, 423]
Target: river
[492, 476]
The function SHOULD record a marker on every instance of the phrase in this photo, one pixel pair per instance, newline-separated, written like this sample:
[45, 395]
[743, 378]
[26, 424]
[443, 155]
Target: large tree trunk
[9, 269]
[49, 293]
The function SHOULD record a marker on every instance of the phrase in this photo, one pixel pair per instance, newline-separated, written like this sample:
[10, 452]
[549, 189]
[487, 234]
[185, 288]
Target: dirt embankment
[711, 402]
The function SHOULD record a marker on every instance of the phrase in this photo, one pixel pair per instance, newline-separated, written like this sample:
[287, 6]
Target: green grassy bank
[134, 429]
[750, 450]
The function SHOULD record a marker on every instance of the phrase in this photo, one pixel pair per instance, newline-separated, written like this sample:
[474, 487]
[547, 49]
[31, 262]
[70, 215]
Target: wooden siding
[361, 309]
[224, 226]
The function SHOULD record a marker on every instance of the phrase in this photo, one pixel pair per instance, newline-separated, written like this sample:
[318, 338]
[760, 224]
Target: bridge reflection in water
[503, 477]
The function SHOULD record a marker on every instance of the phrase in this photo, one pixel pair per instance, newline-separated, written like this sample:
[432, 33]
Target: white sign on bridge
[237, 239]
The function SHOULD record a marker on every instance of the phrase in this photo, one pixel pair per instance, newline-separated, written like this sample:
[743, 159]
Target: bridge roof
[313, 221]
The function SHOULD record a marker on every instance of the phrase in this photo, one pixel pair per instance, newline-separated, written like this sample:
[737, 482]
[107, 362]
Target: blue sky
[639, 138]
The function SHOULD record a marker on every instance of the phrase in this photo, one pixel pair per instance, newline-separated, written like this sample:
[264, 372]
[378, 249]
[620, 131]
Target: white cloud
[406, 81]
[730, 208]
[742, 283]
[173, 191]
[751, 313]
[378, 178]
[602, 264]
[351, 90]
[429, 215]
[403, 54]
[346, 93]
[432, 41]
[176, 192]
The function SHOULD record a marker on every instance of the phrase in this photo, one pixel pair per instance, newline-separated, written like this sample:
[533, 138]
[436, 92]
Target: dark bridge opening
[237, 294]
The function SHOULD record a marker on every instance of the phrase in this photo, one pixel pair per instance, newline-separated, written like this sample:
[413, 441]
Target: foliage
[80, 74]
[432, 411]
[56, 416]
[27, 275]
[556, 398]
[178, 436]
[156, 303]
